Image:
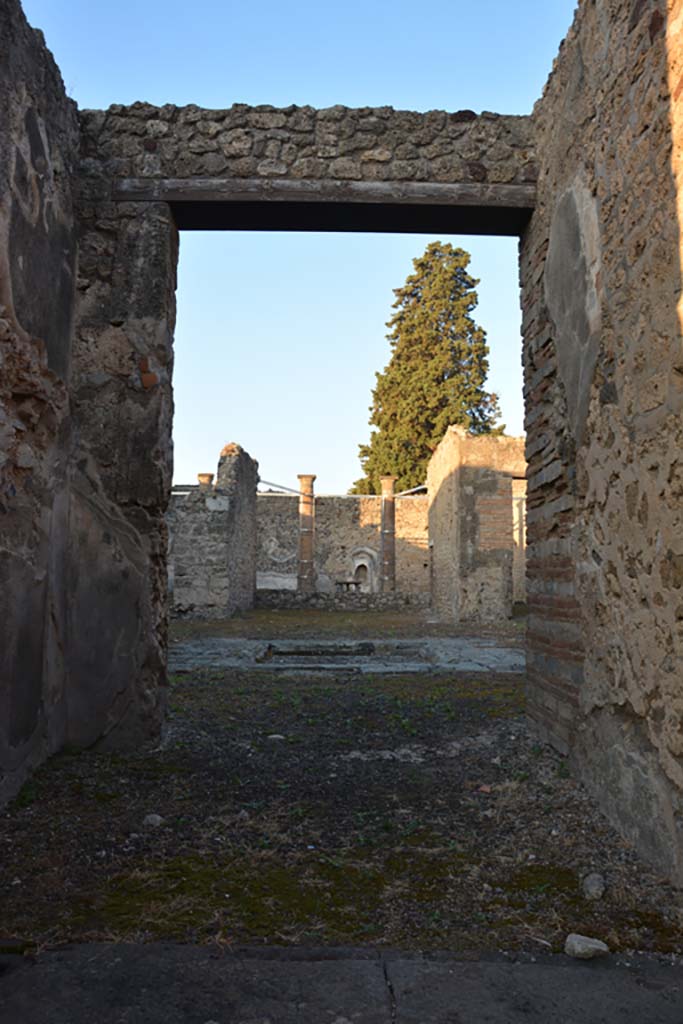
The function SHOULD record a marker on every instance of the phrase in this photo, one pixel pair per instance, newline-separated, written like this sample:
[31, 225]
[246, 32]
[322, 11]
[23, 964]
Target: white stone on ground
[581, 947]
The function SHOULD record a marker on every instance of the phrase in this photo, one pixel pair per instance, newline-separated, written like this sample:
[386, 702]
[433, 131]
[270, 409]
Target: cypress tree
[436, 373]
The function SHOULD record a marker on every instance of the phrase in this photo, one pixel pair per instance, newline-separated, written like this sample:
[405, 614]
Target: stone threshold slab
[164, 983]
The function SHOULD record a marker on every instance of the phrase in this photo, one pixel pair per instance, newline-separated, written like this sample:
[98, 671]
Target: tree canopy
[436, 374]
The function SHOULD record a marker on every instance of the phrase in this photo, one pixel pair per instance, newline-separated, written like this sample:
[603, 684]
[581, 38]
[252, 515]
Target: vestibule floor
[309, 809]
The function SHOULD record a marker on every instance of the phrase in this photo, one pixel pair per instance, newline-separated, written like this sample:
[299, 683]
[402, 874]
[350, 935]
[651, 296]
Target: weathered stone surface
[593, 886]
[122, 406]
[582, 947]
[169, 983]
[212, 550]
[171, 142]
[38, 151]
[570, 278]
[347, 535]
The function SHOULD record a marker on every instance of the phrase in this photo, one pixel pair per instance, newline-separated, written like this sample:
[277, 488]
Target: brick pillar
[205, 481]
[306, 576]
[388, 581]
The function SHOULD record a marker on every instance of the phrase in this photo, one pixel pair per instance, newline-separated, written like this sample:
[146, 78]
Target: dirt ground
[413, 812]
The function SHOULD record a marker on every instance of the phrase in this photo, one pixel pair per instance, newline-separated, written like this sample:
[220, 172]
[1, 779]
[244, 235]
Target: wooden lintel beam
[237, 190]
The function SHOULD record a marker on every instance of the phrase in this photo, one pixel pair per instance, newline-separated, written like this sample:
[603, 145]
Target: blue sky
[279, 335]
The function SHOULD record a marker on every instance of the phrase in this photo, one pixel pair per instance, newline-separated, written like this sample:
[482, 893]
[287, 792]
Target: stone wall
[297, 143]
[601, 279]
[392, 601]
[462, 545]
[38, 153]
[212, 541]
[347, 535]
[472, 512]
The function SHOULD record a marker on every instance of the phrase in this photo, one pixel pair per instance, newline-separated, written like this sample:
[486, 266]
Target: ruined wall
[347, 533]
[212, 541]
[601, 278]
[413, 558]
[470, 483]
[38, 152]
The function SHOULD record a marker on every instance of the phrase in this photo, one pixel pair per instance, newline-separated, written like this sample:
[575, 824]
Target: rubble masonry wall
[601, 292]
[301, 143]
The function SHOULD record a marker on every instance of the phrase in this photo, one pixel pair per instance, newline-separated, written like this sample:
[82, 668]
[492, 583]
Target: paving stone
[554, 991]
[173, 984]
[454, 654]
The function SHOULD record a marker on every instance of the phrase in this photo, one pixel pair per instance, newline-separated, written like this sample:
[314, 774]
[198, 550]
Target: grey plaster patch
[615, 758]
[571, 292]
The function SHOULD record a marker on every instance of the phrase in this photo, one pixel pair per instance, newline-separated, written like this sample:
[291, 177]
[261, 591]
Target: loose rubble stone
[593, 886]
[153, 821]
[581, 947]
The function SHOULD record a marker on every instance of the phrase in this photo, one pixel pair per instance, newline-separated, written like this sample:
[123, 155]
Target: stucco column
[388, 581]
[306, 575]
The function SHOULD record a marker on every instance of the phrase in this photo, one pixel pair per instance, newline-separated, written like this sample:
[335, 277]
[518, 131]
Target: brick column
[388, 581]
[306, 575]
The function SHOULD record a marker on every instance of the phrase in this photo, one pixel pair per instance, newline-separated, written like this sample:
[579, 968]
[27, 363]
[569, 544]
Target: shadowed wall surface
[601, 283]
[38, 157]
[472, 483]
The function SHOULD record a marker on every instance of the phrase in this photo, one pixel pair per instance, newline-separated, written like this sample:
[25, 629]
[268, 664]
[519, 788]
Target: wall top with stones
[300, 143]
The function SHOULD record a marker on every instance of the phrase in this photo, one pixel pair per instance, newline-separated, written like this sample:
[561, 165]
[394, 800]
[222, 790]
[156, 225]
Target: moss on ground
[406, 811]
